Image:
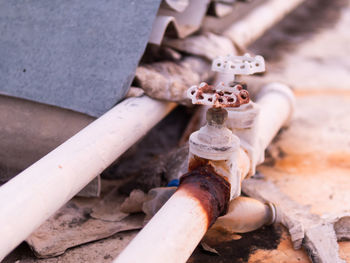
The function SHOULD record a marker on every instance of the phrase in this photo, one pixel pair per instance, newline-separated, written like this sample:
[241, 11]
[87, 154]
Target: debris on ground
[170, 80]
[316, 235]
[82, 221]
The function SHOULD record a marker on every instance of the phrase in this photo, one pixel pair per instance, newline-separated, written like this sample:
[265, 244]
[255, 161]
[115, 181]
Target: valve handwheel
[219, 96]
[230, 93]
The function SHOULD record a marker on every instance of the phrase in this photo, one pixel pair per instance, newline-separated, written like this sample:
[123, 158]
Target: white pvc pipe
[171, 235]
[251, 27]
[245, 214]
[276, 102]
[31, 197]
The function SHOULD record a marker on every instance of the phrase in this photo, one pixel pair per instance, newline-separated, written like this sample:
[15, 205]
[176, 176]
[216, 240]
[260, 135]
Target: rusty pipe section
[210, 189]
[203, 195]
[172, 234]
[175, 231]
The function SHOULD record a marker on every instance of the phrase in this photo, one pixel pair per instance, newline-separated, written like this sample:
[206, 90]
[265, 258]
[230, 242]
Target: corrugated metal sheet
[181, 18]
[181, 23]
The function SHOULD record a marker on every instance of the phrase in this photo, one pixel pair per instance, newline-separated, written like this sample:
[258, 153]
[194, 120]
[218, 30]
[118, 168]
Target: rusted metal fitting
[216, 145]
[214, 141]
[211, 190]
[227, 93]
[233, 95]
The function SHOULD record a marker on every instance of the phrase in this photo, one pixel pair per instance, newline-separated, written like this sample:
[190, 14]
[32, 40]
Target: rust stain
[325, 92]
[313, 162]
[210, 189]
[340, 160]
[196, 162]
[297, 163]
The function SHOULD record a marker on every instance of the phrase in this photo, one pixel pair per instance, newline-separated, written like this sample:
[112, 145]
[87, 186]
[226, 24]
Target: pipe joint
[210, 189]
[216, 145]
[242, 121]
[273, 213]
[214, 141]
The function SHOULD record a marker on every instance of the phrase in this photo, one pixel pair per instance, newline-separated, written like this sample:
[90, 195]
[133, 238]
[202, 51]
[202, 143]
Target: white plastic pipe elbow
[276, 102]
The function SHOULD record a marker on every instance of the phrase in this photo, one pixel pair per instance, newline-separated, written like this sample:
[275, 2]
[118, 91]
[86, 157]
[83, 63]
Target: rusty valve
[219, 96]
[227, 93]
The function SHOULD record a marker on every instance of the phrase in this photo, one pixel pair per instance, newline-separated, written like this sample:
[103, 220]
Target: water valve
[227, 93]
[215, 143]
[219, 96]
[238, 65]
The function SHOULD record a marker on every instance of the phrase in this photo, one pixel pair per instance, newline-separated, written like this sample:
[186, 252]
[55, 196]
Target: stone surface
[321, 244]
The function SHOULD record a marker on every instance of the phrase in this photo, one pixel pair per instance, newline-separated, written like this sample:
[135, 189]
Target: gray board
[79, 55]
